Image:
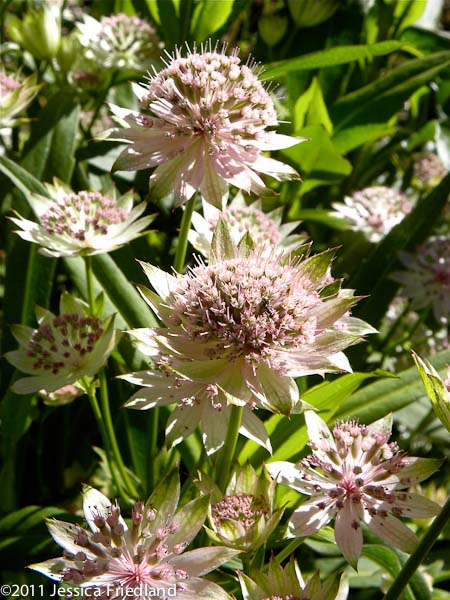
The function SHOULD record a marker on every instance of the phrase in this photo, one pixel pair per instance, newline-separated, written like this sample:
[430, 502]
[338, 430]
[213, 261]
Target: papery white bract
[265, 229]
[374, 211]
[63, 348]
[354, 475]
[426, 280]
[239, 331]
[119, 41]
[143, 561]
[81, 224]
[203, 127]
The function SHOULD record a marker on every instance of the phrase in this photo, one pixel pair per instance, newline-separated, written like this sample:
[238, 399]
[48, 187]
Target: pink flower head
[15, 96]
[241, 329]
[266, 229]
[374, 211]
[204, 127]
[81, 224]
[356, 476]
[427, 277]
[143, 561]
[428, 170]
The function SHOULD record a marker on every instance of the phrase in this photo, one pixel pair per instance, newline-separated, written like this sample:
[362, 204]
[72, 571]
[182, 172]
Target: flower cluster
[63, 349]
[149, 556]
[15, 96]
[204, 127]
[119, 41]
[374, 211]
[81, 224]
[238, 331]
[356, 476]
[428, 170]
[265, 229]
[426, 279]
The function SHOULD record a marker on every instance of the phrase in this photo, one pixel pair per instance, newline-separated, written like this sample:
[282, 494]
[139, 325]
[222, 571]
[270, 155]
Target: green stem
[180, 254]
[90, 390]
[420, 554]
[89, 283]
[229, 449]
[153, 445]
[109, 426]
[289, 549]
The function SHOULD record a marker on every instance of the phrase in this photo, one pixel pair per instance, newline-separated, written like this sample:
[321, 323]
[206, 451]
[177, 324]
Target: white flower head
[83, 223]
[120, 41]
[142, 561]
[373, 211]
[204, 126]
[63, 348]
[238, 331]
[265, 229]
[426, 279]
[354, 475]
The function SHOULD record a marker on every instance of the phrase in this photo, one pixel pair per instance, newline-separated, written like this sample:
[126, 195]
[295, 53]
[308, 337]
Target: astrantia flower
[265, 229]
[374, 211]
[287, 584]
[120, 41]
[63, 349]
[427, 278]
[428, 170]
[241, 328]
[204, 127]
[146, 560]
[60, 397]
[356, 476]
[243, 517]
[15, 97]
[81, 224]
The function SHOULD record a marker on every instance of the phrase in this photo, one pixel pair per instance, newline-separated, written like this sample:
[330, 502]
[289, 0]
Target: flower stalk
[180, 254]
[418, 557]
[228, 451]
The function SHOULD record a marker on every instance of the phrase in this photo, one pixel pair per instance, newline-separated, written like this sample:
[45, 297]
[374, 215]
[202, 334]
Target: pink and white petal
[318, 431]
[203, 560]
[276, 141]
[149, 398]
[310, 517]
[275, 168]
[163, 178]
[64, 535]
[201, 589]
[276, 392]
[214, 188]
[163, 283]
[52, 568]
[30, 385]
[393, 531]
[341, 362]
[414, 506]
[94, 504]
[348, 534]
[181, 423]
[415, 471]
[253, 429]
[214, 426]
[289, 475]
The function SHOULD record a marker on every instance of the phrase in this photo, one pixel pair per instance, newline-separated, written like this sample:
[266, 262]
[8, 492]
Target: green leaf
[317, 159]
[289, 436]
[209, 17]
[388, 560]
[380, 100]
[436, 390]
[377, 399]
[310, 109]
[331, 57]
[21, 178]
[350, 138]
[319, 215]
[372, 276]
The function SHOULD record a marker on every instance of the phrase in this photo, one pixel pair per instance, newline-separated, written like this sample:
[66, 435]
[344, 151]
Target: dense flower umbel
[243, 517]
[238, 331]
[205, 126]
[428, 170]
[120, 41]
[265, 229]
[14, 98]
[355, 475]
[287, 584]
[374, 211]
[62, 349]
[427, 278]
[143, 561]
[81, 224]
